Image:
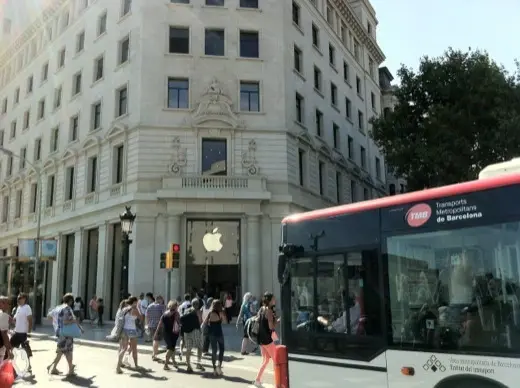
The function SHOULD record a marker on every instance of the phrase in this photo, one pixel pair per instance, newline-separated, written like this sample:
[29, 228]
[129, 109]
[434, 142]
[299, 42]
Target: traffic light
[162, 261]
[169, 260]
[175, 251]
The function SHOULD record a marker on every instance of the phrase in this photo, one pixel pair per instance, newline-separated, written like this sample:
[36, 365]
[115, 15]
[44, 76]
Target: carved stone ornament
[214, 105]
[249, 159]
[179, 157]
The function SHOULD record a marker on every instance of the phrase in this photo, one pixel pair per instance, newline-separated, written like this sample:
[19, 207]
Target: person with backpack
[169, 326]
[263, 328]
[184, 306]
[243, 316]
[191, 322]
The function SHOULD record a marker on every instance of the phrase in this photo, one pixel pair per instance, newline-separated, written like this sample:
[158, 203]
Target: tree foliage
[455, 115]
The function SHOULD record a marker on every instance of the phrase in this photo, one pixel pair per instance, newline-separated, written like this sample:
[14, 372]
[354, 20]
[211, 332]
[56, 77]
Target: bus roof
[509, 167]
[416, 196]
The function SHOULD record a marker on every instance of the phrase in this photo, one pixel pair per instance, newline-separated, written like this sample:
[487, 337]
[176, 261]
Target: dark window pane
[215, 2]
[248, 3]
[179, 40]
[214, 157]
[214, 44]
[249, 44]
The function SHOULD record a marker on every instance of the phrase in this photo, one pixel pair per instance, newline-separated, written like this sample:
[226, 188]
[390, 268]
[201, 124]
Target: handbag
[72, 330]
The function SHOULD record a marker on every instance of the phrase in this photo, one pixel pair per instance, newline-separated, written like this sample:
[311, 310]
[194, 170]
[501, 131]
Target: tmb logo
[418, 215]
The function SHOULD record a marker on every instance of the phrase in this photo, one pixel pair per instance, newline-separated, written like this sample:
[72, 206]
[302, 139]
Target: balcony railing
[215, 182]
[205, 186]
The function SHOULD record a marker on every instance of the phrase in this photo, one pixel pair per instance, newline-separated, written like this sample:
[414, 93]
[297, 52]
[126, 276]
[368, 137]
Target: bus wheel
[469, 381]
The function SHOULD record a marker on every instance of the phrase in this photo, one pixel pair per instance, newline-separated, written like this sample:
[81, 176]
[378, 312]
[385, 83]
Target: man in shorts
[182, 310]
[153, 314]
[23, 327]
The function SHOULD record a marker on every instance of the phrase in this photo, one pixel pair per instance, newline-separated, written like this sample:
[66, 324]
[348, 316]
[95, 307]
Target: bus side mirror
[282, 264]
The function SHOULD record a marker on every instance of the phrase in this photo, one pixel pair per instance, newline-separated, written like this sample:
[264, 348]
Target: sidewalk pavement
[96, 336]
[96, 369]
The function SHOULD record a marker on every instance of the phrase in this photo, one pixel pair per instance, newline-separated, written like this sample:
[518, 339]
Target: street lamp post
[37, 250]
[127, 222]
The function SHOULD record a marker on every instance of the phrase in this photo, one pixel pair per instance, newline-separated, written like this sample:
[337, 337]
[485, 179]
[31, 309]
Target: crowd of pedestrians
[196, 324]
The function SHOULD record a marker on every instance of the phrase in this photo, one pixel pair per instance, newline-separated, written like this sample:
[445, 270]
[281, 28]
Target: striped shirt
[154, 313]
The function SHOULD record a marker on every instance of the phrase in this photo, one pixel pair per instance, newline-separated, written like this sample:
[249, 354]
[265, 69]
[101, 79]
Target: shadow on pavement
[29, 380]
[233, 379]
[144, 373]
[227, 358]
[80, 381]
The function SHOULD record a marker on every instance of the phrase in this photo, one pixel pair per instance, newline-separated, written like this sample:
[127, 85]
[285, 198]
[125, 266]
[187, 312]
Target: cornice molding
[47, 14]
[359, 30]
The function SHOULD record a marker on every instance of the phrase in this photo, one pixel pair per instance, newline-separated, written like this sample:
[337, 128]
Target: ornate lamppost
[127, 222]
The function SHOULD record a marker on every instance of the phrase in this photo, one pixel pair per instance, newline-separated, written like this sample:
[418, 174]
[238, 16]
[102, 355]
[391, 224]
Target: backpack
[189, 321]
[252, 328]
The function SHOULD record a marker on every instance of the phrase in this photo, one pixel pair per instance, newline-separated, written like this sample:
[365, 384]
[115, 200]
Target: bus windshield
[457, 288]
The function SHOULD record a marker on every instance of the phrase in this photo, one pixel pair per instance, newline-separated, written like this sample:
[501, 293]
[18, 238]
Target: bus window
[331, 291]
[334, 298]
[302, 293]
[456, 289]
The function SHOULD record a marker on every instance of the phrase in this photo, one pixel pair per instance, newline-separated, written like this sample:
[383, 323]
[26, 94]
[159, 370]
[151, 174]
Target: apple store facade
[213, 256]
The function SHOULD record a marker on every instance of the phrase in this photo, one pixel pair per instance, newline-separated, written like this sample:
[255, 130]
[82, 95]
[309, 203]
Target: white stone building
[200, 114]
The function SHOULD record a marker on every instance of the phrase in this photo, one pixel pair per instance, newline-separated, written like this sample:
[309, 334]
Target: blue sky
[409, 29]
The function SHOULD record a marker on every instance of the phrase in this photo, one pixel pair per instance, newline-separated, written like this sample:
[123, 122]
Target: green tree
[455, 115]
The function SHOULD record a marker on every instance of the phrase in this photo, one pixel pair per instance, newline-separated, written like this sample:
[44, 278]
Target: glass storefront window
[213, 257]
[456, 289]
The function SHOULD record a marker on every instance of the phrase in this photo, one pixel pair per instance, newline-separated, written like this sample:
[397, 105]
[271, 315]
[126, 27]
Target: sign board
[27, 248]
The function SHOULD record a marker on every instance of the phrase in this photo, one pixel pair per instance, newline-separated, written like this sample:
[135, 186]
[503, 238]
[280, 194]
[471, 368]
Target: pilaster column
[142, 254]
[174, 236]
[254, 267]
[103, 275]
[77, 275]
[56, 270]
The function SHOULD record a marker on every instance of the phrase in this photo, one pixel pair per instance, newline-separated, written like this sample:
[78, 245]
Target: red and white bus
[415, 290]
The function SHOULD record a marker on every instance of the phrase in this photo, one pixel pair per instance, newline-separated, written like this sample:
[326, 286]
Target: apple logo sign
[211, 241]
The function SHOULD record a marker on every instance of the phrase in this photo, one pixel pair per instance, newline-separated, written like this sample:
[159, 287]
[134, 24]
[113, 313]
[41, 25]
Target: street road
[96, 368]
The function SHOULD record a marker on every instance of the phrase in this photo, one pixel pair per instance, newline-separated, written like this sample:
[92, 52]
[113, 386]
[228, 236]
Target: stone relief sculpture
[179, 157]
[214, 104]
[249, 159]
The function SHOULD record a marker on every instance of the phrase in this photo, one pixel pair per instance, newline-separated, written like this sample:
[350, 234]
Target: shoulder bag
[71, 330]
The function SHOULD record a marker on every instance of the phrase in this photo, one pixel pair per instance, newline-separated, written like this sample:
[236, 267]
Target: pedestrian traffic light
[162, 261]
[176, 255]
